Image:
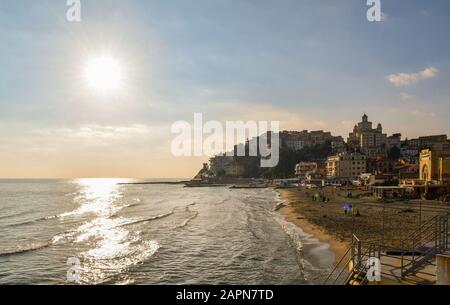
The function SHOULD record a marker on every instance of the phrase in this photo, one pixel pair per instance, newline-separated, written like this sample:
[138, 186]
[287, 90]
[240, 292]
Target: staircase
[413, 256]
[352, 269]
[431, 239]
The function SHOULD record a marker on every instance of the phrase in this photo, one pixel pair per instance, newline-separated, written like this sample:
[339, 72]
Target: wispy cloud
[347, 123]
[407, 79]
[423, 114]
[96, 133]
[405, 97]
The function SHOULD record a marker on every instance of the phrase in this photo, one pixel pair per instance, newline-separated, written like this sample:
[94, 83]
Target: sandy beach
[328, 222]
[292, 213]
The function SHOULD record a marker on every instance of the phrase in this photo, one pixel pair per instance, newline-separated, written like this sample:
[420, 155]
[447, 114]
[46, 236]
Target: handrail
[362, 267]
[423, 227]
[337, 265]
[356, 243]
[434, 229]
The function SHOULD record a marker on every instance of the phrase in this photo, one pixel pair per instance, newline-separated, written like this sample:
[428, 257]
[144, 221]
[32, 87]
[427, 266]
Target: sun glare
[104, 74]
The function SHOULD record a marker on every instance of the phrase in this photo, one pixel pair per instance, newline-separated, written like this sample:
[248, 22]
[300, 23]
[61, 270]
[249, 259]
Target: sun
[104, 74]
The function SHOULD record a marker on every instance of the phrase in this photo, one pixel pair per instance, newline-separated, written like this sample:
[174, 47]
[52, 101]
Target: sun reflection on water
[97, 196]
[110, 247]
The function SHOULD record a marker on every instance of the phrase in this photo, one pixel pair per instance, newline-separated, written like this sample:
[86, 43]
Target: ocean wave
[133, 222]
[36, 246]
[24, 249]
[33, 221]
[66, 235]
[191, 205]
[100, 269]
[136, 201]
[92, 208]
[279, 206]
[188, 220]
[14, 215]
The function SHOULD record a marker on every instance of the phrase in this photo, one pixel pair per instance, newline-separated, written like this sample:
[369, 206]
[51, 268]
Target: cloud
[95, 133]
[289, 119]
[405, 97]
[347, 122]
[422, 114]
[405, 79]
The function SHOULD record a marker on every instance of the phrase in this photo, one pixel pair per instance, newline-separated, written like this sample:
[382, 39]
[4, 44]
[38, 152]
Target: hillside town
[388, 164]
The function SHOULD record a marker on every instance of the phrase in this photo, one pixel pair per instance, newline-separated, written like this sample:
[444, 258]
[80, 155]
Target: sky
[310, 64]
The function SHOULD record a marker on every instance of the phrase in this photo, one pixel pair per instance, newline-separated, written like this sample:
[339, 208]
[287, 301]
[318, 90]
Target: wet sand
[290, 211]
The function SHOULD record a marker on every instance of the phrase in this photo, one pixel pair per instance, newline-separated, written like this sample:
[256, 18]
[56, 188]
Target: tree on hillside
[394, 153]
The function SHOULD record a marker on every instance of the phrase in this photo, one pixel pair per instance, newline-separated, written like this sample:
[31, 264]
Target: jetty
[249, 186]
[155, 183]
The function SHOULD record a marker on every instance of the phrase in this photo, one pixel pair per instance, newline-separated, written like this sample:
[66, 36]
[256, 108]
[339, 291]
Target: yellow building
[444, 169]
[434, 165]
[346, 165]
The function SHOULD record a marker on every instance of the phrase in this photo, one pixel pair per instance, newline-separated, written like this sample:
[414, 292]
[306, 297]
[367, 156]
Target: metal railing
[431, 239]
[353, 265]
[415, 252]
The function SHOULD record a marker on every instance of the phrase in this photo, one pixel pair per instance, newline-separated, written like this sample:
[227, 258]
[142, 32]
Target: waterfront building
[304, 168]
[434, 165]
[346, 165]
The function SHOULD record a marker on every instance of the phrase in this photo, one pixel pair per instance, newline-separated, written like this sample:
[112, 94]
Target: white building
[346, 166]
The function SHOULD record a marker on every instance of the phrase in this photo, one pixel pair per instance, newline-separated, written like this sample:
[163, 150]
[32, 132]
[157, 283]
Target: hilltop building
[439, 142]
[394, 141]
[219, 164]
[298, 140]
[338, 145]
[369, 141]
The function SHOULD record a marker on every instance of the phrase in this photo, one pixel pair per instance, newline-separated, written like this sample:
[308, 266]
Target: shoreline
[292, 215]
[389, 224]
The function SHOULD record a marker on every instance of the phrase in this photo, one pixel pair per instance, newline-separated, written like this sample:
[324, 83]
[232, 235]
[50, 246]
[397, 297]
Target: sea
[109, 232]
